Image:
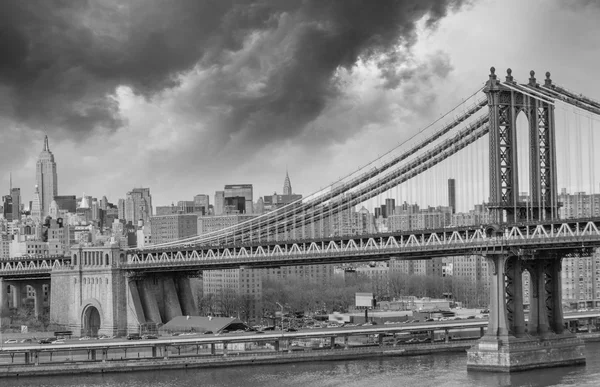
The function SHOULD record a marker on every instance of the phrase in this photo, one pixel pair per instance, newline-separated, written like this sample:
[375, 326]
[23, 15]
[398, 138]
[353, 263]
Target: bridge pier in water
[512, 345]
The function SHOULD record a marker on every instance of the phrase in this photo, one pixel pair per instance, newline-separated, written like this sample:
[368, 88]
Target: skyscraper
[138, 205]
[287, 185]
[201, 203]
[15, 193]
[219, 202]
[452, 194]
[241, 190]
[46, 178]
[36, 205]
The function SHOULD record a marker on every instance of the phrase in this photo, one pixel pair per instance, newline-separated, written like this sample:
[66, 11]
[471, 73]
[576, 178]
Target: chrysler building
[46, 179]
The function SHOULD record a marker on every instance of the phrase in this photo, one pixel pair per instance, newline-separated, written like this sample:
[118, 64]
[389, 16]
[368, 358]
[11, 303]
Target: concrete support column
[380, 339]
[39, 300]
[186, 297]
[289, 345]
[589, 325]
[149, 302]
[104, 355]
[4, 310]
[225, 352]
[345, 342]
[212, 349]
[166, 352]
[446, 336]
[276, 345]
[154, 351]
[481, 331]
[332, 342]
[498, 325]
[172, 308]
[134, 294]
[93, 354]
[27, 357]
[36, 357]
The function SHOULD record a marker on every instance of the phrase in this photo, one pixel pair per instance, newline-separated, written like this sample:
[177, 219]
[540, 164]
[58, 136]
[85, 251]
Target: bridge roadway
[571, 236]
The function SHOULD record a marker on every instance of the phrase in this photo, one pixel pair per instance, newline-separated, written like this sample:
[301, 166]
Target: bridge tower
[506, 101]
[511, 343]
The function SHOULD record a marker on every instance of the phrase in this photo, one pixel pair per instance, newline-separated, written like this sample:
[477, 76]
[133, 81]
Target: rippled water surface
[430, 370]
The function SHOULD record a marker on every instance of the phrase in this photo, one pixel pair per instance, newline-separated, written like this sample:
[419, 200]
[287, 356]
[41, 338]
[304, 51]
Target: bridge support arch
[91, 320]
[511, 344]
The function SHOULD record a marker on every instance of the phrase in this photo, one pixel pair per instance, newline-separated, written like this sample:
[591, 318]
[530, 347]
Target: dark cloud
[62, 60]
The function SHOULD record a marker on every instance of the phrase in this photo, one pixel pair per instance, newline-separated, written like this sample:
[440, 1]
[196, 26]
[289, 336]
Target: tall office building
[201, 204]
[390, 207]
[452, 194]
[46, 178]
[169, 228]
[138, 205]
[15, 194]
[219, 202]
[7, 207]
[121, 209]
[36, 205]
[287, 185]
[241, 190]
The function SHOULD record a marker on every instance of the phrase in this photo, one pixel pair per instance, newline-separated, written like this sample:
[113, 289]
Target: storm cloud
[271, 65]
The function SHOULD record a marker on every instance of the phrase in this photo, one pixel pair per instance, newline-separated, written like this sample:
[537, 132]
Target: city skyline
[350, 127]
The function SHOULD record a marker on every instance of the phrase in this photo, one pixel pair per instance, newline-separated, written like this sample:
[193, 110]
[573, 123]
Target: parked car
[26, 341]
[291, 330]
[11, 341]
[47, 340]
[149, 337]
[134, 336]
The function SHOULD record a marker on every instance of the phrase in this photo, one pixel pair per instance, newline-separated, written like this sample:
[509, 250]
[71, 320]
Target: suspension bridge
[508, 148]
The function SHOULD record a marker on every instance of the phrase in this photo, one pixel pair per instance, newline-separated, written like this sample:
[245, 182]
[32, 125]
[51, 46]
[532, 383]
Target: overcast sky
[186, 96]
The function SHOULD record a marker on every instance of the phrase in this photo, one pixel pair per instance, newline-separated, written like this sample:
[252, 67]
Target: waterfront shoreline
[237, 359]
[233, 359]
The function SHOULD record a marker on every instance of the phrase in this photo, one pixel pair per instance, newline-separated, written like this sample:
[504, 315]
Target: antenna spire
[46, 146]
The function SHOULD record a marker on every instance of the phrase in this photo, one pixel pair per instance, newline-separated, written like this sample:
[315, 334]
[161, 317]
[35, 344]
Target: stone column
[4, 310]
[149, 302]
[134, 294]
[332, 342]
[172, 308]
[186, 297]
[39, 300]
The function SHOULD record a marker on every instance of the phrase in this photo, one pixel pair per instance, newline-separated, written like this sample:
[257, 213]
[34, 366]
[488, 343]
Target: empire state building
[46, 179]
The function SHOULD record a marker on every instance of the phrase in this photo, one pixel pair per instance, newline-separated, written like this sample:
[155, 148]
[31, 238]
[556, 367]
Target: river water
[428, 370]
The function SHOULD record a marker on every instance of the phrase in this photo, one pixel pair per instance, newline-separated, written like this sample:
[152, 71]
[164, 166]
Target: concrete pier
[507, 345]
